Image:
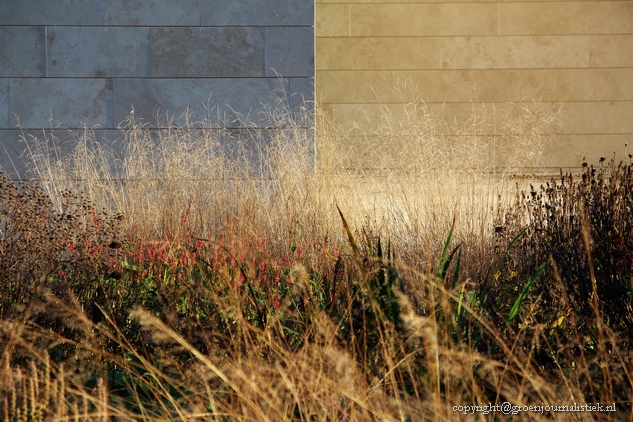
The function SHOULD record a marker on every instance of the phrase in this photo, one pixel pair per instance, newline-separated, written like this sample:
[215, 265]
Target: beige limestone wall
[576, 52]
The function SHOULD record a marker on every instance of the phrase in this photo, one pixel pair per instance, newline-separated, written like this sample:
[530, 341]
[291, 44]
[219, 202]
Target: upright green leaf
[484, 286]
[350, 237]
[445, 261]
[457, 266]
[515, 309]
[445, 250]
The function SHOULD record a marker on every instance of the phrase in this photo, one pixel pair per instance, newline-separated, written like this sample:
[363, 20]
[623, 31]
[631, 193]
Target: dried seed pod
[115, 245]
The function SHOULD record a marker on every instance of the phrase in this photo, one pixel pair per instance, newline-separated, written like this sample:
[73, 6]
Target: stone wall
[578, 52]
[69, 63]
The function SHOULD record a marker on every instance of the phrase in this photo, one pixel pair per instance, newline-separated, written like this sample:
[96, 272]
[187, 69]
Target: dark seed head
[116, 275]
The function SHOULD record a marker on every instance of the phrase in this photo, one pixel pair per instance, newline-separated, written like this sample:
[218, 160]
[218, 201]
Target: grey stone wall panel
[98, 52]
[53, 12]
[15, 144]
[69, 103]
[289, 51]
[154, 12]
[257, 13]
[5, 111]
[22, 51]
[12, 152]
[298, 102]
[301, 93]
[69, 63]
[204, 98]
[207, 52]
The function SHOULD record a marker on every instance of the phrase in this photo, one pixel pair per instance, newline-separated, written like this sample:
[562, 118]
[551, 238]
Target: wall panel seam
[526, 35]
[46, 51]
[474, 69]
[400, 103]
[9, 102]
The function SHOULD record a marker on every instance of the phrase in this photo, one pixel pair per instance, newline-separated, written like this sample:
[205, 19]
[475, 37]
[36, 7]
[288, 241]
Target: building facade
[75, 63]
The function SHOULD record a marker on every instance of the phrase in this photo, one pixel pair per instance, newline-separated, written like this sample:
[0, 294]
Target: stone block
[13, 160]
[301, 93]
[515, 52]
[361, 119]
[508, 85]
[577, 118]
[246, 149]
[289, 51]
[233, 102]
[448, 19]
[569, 150]
[377, 53]
[5, 110]
[60, 103]
[357, 118]
[332, 20]
[153, 12]
[17, 147]
[297, 104]
[257, 13]
[611, 51]
[363, 87]
[97, 52]
[597, 17]
[207, 52]
[594, 84]
[22, 51]
[593, 117]
[47, 12]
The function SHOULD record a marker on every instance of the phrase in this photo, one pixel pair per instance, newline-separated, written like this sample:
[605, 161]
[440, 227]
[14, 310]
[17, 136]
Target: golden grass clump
[406, 175]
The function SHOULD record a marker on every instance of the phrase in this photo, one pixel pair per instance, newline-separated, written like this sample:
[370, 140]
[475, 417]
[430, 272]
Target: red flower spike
[95, 220]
